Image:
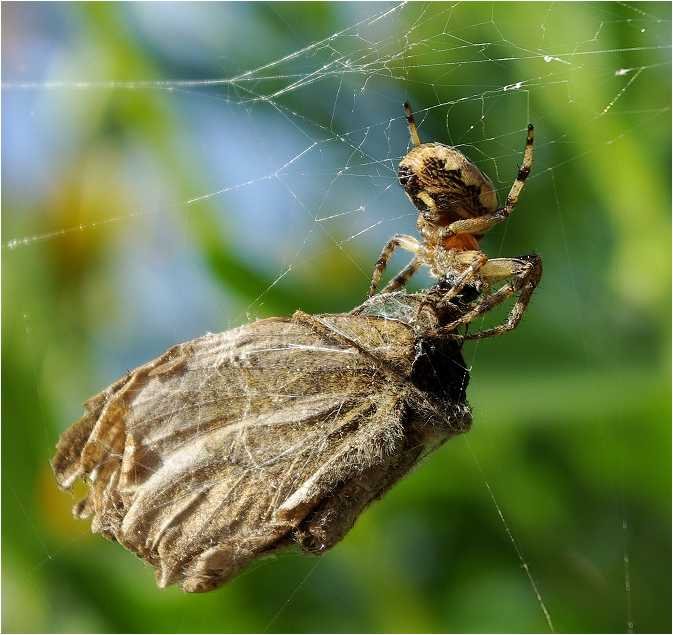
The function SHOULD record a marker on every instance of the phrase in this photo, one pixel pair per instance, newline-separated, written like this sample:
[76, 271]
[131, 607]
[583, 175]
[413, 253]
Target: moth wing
[215, 452]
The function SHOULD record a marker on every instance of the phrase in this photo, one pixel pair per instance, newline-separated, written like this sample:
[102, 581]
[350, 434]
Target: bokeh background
[171, 169]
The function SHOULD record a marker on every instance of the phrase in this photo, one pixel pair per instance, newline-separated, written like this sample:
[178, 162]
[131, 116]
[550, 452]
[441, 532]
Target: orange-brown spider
[457, 204]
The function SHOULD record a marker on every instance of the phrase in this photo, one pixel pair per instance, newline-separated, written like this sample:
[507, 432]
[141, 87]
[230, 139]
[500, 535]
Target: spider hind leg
[409, 243]
[403, 276]
[481, 224]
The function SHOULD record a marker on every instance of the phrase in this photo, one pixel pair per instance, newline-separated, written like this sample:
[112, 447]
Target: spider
[457, 204]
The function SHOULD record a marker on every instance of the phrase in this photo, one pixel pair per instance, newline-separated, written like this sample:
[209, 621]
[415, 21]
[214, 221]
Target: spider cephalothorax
[457, 204]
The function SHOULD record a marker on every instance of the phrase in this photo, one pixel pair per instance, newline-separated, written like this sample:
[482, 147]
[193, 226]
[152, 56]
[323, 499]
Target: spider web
[290, 161]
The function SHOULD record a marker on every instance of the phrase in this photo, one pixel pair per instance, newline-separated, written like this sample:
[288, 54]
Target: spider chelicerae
[457, 204]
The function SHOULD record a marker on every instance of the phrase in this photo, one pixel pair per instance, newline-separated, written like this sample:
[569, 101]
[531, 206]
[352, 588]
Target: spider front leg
[525, 273]
[399, 240]
[482, 224]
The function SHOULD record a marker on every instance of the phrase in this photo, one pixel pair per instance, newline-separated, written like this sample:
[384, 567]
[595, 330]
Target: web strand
[510, 536]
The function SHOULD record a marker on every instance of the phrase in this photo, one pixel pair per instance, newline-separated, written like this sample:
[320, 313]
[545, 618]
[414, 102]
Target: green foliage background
[571, 412]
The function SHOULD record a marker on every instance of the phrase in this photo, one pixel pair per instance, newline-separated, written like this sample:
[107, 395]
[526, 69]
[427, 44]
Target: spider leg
[477, 260]
[411, 123]
[399, 240]
[481, 224]
[525, 272]
[403, 276]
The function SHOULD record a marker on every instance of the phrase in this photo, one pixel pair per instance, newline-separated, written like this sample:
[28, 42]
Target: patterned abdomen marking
[440, 181]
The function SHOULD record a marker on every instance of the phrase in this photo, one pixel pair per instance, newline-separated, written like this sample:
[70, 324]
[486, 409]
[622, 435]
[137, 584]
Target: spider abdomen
[443, 185]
